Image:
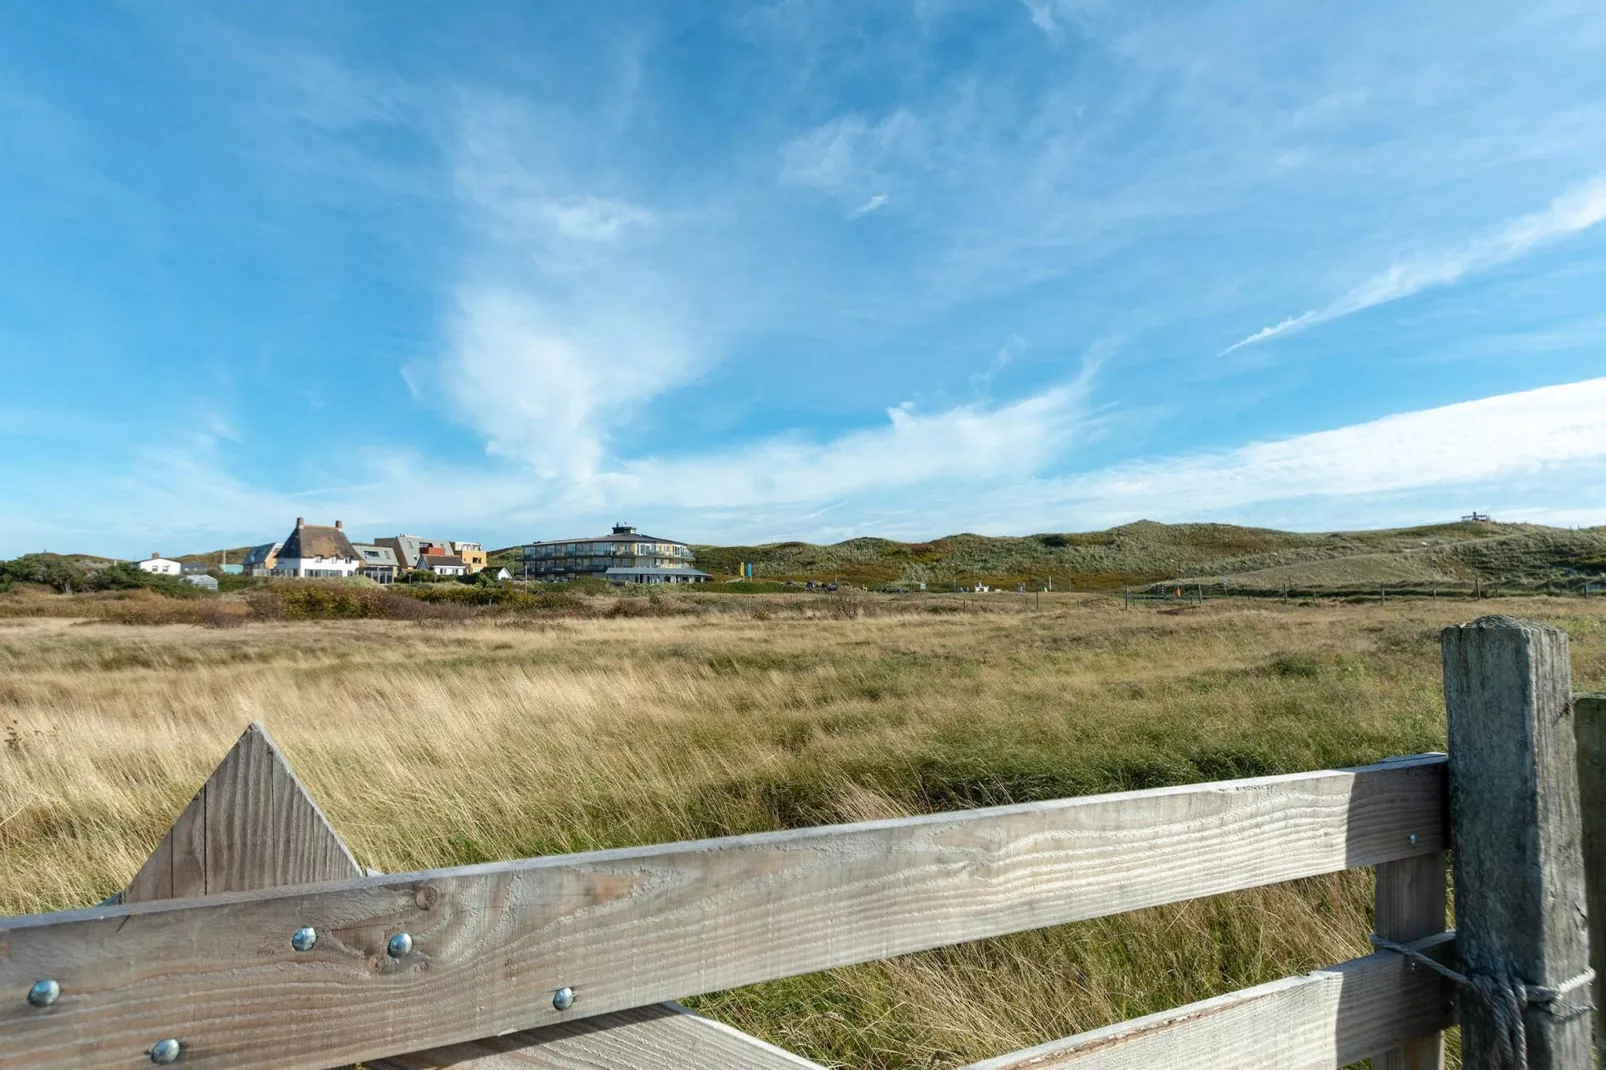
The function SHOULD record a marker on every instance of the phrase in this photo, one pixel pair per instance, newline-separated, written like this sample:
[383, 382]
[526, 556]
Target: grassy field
[432, 743]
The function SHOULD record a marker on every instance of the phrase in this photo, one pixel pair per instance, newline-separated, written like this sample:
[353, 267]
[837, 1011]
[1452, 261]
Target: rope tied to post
[1507, 998]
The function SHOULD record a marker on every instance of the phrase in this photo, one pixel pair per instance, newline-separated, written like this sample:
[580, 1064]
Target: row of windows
[597, 564]
[612, 549]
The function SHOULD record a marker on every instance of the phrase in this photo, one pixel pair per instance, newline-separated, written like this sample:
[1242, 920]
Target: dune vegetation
[1517, 556]
[436, 741]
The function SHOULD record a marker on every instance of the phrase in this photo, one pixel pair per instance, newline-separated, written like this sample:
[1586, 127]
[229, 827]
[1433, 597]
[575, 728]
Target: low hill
[1146, 552]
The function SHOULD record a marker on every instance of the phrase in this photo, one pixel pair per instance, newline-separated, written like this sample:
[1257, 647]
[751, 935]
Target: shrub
[123, 576]
[50, 570]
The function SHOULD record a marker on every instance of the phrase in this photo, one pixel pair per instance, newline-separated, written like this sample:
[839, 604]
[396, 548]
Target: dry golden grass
[431, 745]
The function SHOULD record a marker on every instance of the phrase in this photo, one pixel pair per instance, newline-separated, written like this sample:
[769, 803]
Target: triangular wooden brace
[252, 826]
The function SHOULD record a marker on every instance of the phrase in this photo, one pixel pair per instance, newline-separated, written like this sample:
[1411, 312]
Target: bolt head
[165, 1052]
[563, 998]
[44, 993]
[1412, 838]
[399, 945]
[304, 938]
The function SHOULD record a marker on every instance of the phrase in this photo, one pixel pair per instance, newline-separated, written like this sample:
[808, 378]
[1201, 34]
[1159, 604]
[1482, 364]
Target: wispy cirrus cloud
[874, 204]
[1576, 210]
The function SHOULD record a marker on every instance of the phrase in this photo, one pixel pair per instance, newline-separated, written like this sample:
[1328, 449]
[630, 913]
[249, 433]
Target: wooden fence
[252, 939]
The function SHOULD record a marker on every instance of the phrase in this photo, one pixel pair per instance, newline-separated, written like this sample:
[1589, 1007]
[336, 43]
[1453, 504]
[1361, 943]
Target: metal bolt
[44, 993]
[304, 938]
[166, 1052]
[1412, 838]
[399, 945]
[563, 998]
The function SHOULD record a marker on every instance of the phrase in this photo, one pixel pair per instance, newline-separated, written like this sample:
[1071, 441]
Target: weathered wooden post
[1408, 906]
[1519, 866]
[1591, 710]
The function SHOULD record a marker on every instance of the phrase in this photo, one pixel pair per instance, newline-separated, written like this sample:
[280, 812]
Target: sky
[796, 270]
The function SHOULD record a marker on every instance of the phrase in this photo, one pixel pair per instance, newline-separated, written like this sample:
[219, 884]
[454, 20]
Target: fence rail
[563, 961]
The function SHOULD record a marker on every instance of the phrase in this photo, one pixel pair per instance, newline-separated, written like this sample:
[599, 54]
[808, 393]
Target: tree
[51, 570]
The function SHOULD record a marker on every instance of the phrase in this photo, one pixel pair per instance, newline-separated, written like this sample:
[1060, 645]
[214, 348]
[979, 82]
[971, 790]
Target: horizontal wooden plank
[1321, 1021]
[665, 1036]
[626, 928]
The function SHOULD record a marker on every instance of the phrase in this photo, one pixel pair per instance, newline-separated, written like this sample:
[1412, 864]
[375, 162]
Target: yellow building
[472, 553]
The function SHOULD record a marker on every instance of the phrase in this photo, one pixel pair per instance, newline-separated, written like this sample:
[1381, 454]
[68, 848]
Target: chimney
[155, 556]
[339, 526]
[300, 523]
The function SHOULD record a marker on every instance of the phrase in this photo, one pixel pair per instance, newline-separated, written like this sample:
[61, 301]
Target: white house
[160, 566]
[316, 552]
[442, 564]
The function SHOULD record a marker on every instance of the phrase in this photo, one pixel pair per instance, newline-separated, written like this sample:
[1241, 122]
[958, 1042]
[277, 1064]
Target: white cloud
[1575, 210]
[961, 448]
[566, 316]
[1507, 437]
[1042, 15]
[851, 155]
[1046, 14]
[545, 390]
[519, 195]
[875, 203]
[594, 218]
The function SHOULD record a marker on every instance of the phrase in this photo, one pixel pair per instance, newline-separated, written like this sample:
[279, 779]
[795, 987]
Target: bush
[51, 570]
[123, 576]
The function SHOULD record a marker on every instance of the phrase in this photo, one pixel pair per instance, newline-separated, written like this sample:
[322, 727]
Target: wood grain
[1408, 905]
[251, 826]
[1321, 1021]
[1519, 865]
[1591, 711]
[664, 1036]
[631, 927]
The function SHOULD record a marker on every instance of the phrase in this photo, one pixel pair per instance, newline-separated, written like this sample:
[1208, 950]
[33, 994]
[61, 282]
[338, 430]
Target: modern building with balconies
[625, 556]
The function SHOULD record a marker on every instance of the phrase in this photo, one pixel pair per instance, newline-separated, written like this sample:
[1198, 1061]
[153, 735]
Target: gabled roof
[375, 555]
[258, 555]
[407, 547]
[442, 560]
[314, 540]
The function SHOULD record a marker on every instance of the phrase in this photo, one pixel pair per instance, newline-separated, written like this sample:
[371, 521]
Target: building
[500, 574]
[315, 552]
[158, 565]
[622, 557]
[472, 553]
[378, 562]
[411, 549]
[201, 580]
[442, 564]
[259, 560]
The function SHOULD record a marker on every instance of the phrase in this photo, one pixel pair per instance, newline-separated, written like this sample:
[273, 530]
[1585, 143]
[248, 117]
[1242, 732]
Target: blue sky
[796, 270]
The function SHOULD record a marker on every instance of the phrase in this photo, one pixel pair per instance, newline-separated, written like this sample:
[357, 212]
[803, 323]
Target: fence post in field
[1516, 825]
[1408, 905]
[1592, 794]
